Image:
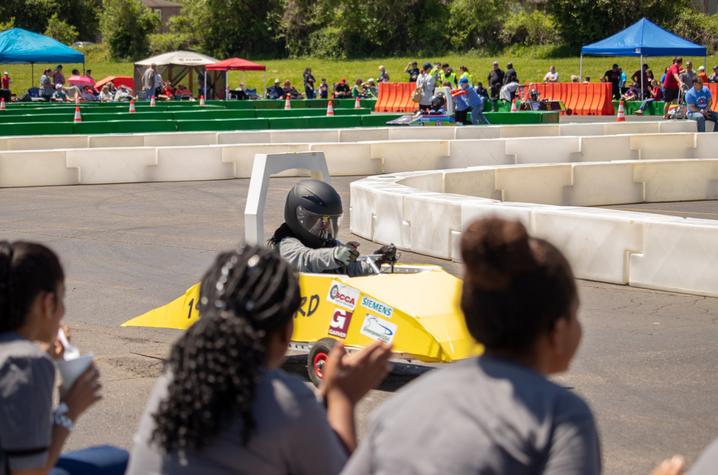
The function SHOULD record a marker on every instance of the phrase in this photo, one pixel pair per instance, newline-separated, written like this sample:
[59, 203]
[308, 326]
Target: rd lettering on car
[308, 305]
[339, 324]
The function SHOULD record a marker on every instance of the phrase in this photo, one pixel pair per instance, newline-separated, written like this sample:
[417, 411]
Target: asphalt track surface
[647, 363]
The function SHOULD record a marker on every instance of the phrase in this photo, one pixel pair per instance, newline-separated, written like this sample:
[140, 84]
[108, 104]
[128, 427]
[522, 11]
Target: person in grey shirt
[223, 406]
[496, 414]
[307, 238]
[32, 293]
[425, 83]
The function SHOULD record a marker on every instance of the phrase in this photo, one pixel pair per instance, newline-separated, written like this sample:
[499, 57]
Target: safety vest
[467, 76]
[451, 78]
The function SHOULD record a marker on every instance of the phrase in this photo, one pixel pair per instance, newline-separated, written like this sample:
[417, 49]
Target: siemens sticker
[343, 296]
[378, 307]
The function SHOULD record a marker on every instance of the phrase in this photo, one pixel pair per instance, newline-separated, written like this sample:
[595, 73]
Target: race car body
[415, 308]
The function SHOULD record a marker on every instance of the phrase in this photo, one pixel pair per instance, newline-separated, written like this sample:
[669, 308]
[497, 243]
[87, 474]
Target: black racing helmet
[312, 212]
[438, 101]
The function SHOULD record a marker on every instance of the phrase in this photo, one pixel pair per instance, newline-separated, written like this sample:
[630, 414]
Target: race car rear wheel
[317, 359]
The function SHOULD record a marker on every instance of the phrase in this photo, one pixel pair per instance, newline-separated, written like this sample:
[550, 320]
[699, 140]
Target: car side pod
[415, 309]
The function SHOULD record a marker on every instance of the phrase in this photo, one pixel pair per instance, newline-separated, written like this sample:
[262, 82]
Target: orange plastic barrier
[713, 86]
[578, 98]
[396, 97]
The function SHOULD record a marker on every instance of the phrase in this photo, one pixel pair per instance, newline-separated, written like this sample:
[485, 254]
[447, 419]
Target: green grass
[528, 65]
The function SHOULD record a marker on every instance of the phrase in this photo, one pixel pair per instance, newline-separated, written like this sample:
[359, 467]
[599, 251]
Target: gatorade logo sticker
[339, 324]
[378, 329]
[378, 307]
[343, 296]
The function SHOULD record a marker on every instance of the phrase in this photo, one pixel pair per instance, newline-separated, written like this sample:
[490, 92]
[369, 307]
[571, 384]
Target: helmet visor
[322, 226]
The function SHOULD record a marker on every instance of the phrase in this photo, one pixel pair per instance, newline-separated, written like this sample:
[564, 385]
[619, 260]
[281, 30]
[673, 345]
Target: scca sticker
[339, 325]
[378, 329]
[377, 307]
[343, 296]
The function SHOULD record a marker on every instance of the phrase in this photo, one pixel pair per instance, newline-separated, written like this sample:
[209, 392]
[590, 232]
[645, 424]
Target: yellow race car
[413, 307]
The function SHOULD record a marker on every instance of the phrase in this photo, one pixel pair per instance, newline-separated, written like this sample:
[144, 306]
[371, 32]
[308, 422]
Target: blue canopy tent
[642, 39]
[18, 46]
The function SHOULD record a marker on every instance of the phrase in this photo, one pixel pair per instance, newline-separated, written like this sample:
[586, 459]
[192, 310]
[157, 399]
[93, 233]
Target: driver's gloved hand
[345, 254]
[388, 254]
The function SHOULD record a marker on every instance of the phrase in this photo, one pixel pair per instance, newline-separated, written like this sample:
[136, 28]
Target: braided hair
[26, 269]
[246, 295]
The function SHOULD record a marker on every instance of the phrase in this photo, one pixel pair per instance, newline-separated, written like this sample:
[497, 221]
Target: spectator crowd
[223, 404]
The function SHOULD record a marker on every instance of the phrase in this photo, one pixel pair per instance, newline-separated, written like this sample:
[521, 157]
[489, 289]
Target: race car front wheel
[317, 359]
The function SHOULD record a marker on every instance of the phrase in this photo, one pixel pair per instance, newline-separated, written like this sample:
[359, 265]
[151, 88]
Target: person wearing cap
[342, 90]
[383, 75]
[496, 80]
[465, 100]
[59, 95]
[276, 91]
[425, 83]
[699, 99]
[702, 74]
[714, 76]
[412, 70]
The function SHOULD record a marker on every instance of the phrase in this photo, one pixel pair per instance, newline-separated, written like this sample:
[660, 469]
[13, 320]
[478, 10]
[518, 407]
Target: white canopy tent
[177, 66]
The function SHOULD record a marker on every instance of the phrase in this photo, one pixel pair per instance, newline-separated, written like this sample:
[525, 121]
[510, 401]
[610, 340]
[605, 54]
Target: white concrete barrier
[642, 249]
[98, 166]
[36, 168]
[363, 157]
[190, 163]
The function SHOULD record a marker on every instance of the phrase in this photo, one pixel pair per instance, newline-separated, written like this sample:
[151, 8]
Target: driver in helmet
[308, 236]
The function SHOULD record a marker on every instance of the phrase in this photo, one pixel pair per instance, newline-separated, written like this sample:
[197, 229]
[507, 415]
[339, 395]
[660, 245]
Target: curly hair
[214, 367]
[26, 269]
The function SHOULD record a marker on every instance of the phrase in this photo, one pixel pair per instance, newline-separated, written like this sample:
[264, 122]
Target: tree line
[348, 28]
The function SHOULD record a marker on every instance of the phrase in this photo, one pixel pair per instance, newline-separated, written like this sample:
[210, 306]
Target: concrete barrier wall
[124, 158]
[422, 212]
[168, 139]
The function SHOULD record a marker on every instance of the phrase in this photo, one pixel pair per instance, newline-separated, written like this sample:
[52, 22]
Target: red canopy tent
[236, 64]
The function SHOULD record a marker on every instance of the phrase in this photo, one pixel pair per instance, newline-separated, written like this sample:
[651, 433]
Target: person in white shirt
[551, 75]
[508, 91]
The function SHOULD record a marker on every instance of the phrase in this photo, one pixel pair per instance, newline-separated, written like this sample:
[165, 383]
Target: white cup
[70, 370]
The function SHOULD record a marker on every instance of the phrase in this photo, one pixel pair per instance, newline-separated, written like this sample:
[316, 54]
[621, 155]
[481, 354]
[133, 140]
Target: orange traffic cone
[621, 117]
[357, 103]
[513, 105]
[201, 101]
[330, 109]
[132, 106]
[152, 102]
[2, 104]
[287, 104]
[78, 116]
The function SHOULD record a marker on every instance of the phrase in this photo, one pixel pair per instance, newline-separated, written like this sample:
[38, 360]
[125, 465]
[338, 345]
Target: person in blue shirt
[467, 99]
[699, 101]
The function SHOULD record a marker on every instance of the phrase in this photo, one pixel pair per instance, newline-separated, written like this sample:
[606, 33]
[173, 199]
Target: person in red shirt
[5, 81]
[672, 83]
